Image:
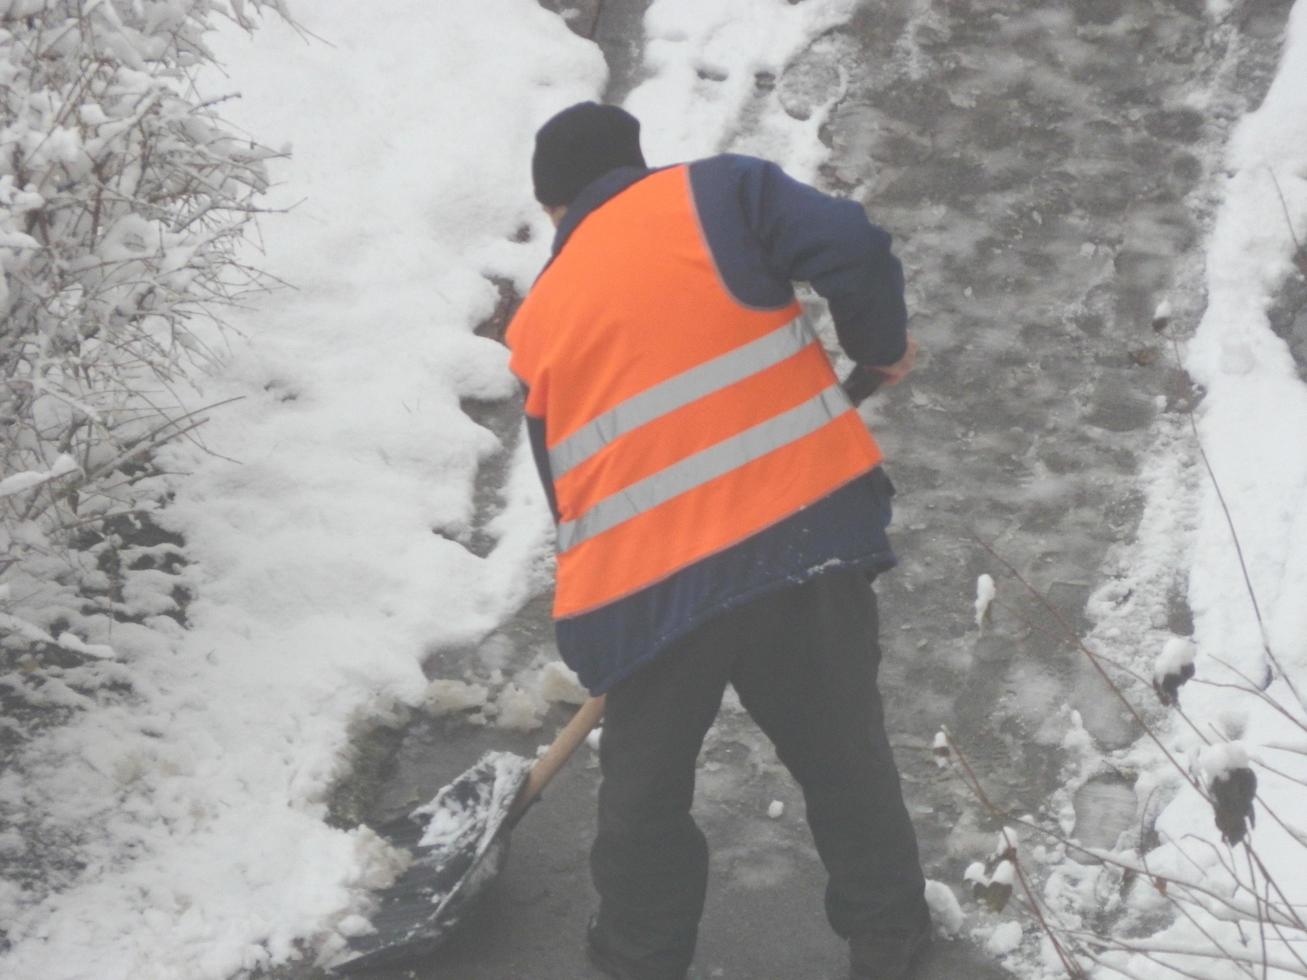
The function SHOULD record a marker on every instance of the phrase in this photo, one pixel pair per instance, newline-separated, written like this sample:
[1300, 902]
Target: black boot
[606, 957]
[887, 955]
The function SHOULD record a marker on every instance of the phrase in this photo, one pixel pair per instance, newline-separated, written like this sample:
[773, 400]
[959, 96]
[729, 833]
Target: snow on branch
[123, 201]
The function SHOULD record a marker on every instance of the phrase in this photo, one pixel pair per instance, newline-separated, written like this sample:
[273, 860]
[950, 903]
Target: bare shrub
[123, 198]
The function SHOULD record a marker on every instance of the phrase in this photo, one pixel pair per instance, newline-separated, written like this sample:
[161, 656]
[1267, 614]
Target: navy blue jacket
[765, 231]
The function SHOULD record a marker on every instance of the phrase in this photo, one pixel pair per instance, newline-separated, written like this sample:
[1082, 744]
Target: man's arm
[829, 242]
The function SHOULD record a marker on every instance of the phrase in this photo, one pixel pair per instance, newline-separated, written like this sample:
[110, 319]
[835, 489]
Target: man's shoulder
[740, 165]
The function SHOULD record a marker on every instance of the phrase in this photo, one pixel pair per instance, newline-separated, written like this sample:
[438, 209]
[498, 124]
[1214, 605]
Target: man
[720, 511]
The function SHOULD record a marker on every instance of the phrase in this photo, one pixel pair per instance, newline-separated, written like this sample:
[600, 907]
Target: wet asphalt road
[1043, 168]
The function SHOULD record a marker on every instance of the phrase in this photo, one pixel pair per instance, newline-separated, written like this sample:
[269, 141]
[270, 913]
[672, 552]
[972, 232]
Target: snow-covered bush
[122, 196]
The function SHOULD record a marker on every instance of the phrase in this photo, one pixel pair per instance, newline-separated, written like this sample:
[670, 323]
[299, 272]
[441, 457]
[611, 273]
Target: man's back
[686, 427]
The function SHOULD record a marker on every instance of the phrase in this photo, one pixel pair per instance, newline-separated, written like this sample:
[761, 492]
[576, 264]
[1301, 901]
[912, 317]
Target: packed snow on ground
[323, 530]
[714, 80]
[1252, 423]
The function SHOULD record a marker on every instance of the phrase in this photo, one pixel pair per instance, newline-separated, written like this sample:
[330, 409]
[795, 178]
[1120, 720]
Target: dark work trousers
[804, 662]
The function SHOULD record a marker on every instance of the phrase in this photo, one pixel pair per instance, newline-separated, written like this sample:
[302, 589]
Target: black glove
[861, 383]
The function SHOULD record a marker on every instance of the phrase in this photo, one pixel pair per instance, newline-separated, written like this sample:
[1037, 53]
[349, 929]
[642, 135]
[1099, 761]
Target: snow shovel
[459, 843]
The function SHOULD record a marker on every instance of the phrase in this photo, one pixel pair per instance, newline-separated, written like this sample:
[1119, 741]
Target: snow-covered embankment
[323, 527]
[1246, 707]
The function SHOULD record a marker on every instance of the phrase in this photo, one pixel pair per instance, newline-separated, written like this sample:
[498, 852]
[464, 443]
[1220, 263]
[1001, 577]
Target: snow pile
[324, 528]
[1237, 755]
[1254, 420]
[519, 704]
[1253, 425]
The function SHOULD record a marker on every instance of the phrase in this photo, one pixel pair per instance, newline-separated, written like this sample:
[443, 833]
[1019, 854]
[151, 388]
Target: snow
[70, 641]
[1162, 315]
[447, 697]
[1254, 421]
[704, 63]
[20, 482]
[519, 709]
[1177, 653]
[558, 684]
[1004, 939]
[1173, 668]
[941, 750]
[1253, 426]
[985, 592]
[1244, 708]
[1004, 874]
[945, 910]
[325, 537]
[319, 584]
[1218, 761]
[461, 809]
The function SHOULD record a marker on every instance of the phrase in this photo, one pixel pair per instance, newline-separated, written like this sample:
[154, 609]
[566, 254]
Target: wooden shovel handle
[556, 756]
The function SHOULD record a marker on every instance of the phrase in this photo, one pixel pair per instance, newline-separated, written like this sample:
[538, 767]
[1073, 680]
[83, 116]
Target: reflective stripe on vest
[705, 466]
[676, 392]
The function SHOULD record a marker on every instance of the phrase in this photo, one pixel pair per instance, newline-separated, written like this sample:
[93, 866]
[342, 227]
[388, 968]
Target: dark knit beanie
[579, 145]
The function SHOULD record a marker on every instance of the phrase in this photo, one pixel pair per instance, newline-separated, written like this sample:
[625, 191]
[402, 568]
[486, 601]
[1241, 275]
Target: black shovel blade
[459, 843]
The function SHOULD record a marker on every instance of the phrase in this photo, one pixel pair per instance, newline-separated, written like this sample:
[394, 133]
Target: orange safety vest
[678, 421]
